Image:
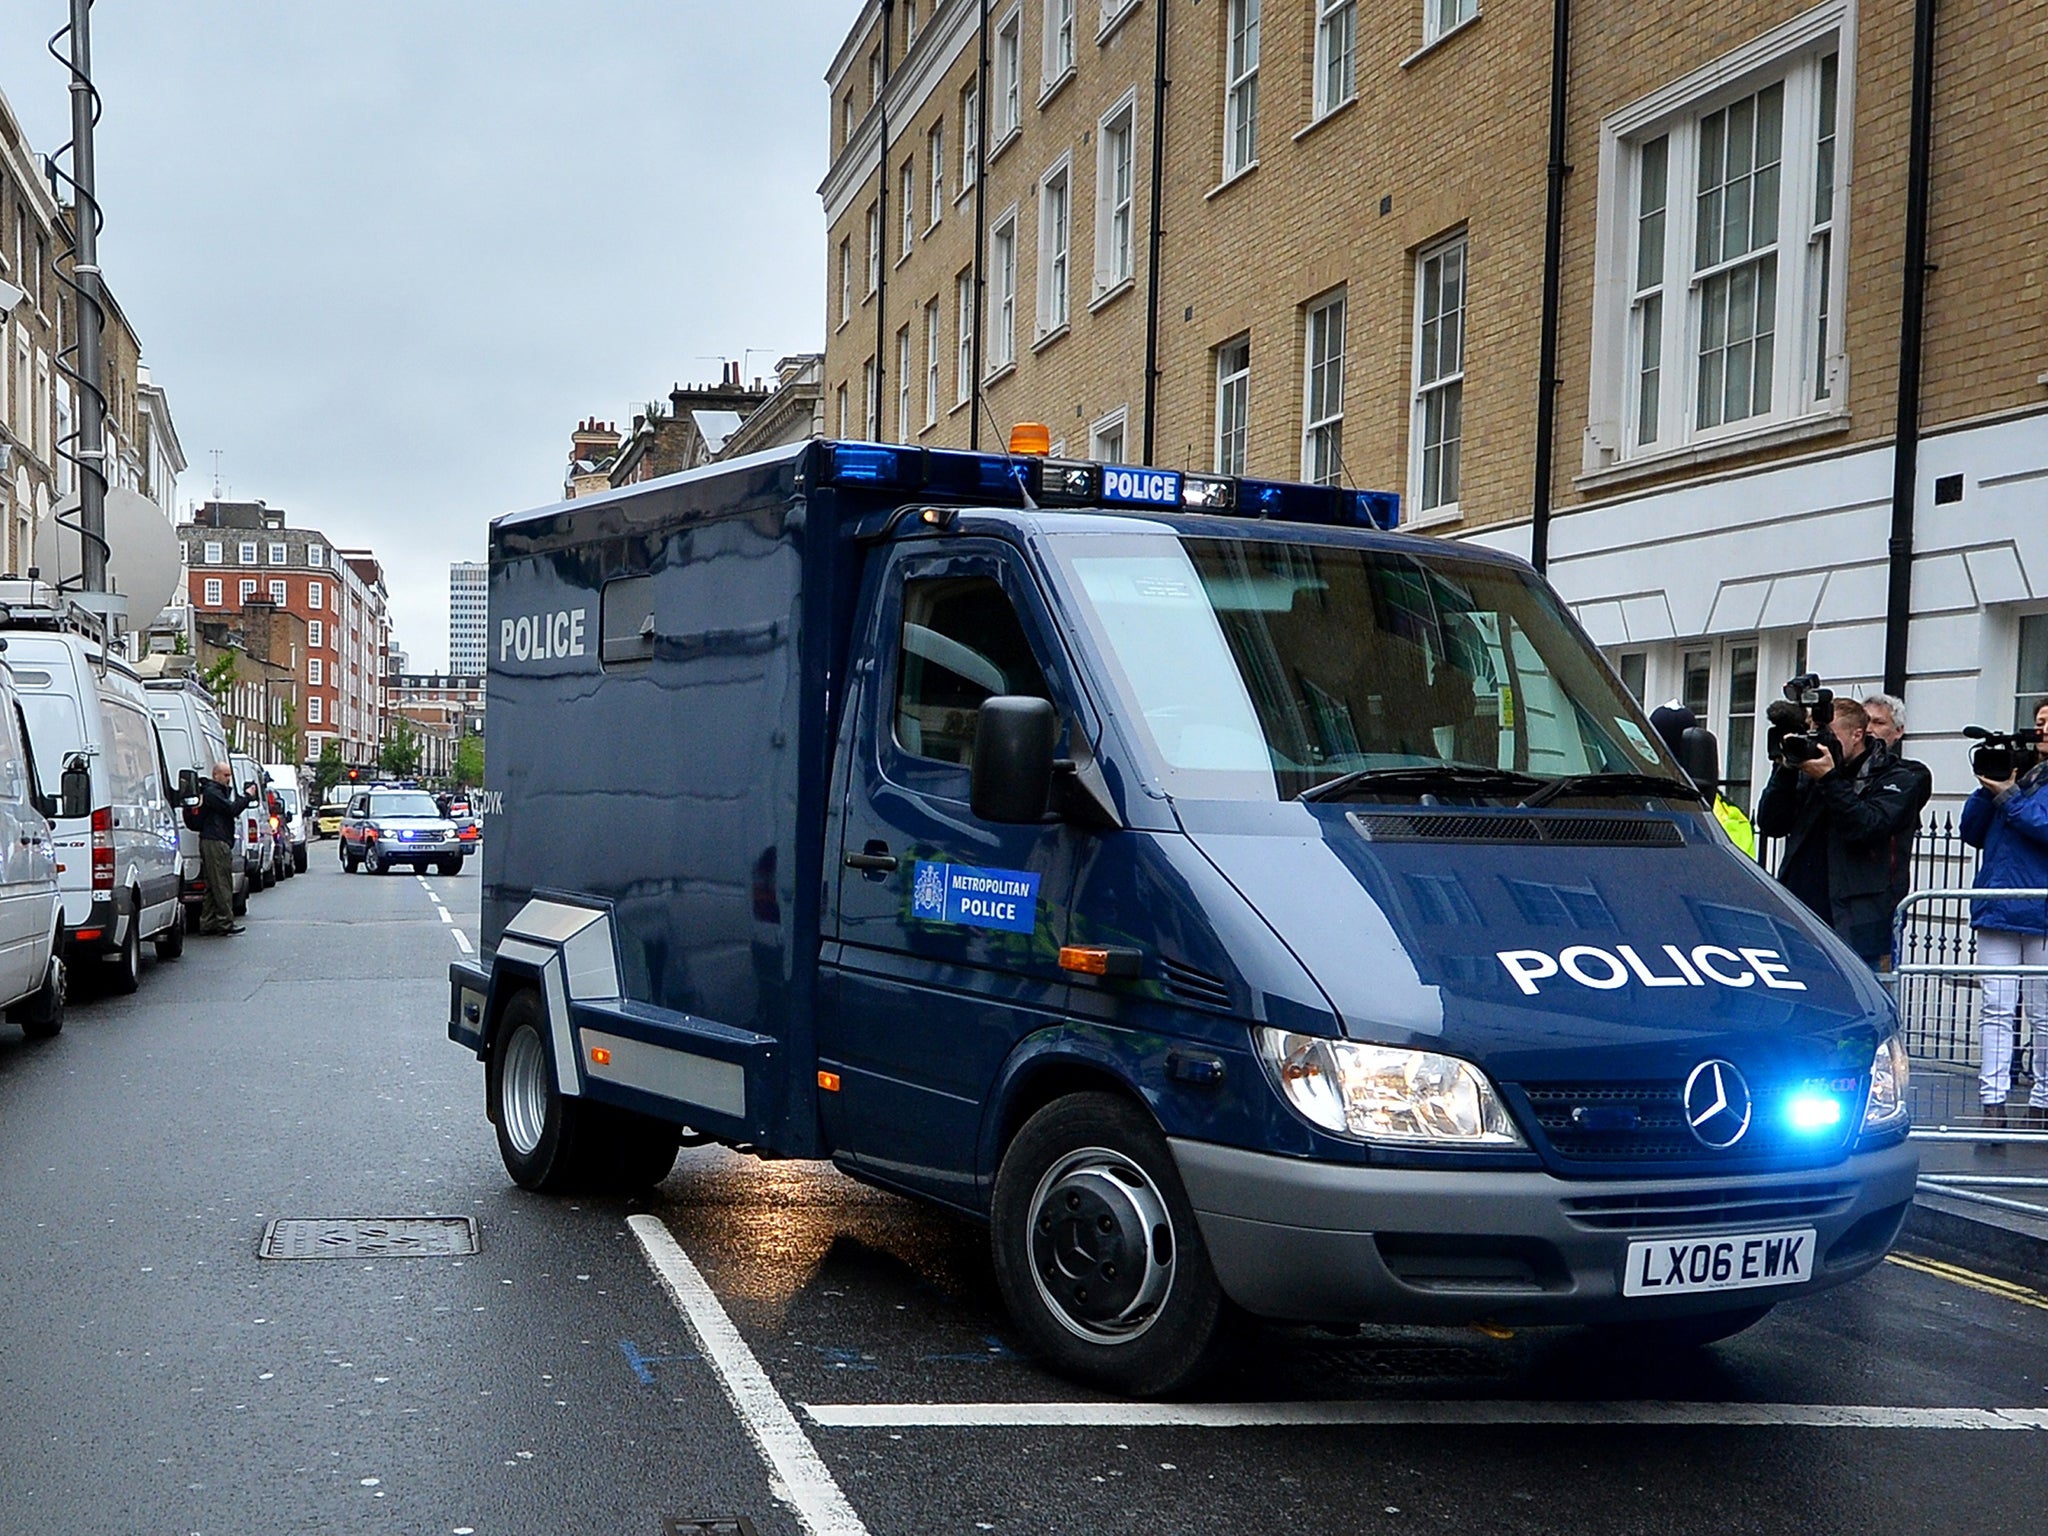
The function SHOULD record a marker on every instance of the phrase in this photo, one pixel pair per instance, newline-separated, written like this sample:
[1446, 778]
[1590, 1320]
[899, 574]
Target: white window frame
[1109, 437]
[1321, 426]
[279, 593]
[906, 186]
[963, 308]
[1007, 70]
[1440, 18]
[935, 171]
[1336, 54]
[248, 590]
[280, 553]
[903, 378]
[1055, 246]
[1233, 401]
[841, 434]
[316, 554]
[1438, 377]
[313, 672]
[1111, 12]
[874, 247]
[1809, 384]
[313, 710]
[247, 552]
[871, 402]
[212, 589]
[933, 340]
[213, 553]
[316, 633]
[314, 593]
[845, 280]
[1002, 294]
[970, 135]
[1061, 24]
[1116, 202]
[1241, 40]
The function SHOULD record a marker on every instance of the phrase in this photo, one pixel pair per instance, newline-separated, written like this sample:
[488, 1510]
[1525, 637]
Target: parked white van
[31, 938]
[95, 745]
[284, 779]
[261, 860]
[193, 741]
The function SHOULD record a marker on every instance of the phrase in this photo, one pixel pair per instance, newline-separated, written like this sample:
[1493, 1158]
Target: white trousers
[2002, 994]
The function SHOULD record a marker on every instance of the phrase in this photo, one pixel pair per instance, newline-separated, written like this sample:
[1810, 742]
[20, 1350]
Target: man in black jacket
[219, 808]
[1841, 820]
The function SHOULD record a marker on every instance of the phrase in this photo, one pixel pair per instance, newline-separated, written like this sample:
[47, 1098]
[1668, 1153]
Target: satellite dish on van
[143, 556]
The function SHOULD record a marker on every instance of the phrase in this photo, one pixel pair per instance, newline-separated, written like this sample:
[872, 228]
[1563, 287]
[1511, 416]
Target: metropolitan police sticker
[975, 898]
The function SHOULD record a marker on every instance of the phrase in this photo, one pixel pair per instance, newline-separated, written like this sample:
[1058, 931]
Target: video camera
[1802, 723]
[2001, 755]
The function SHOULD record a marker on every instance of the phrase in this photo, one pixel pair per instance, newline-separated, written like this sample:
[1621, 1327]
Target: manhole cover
[738, 1525]
[368, 1237]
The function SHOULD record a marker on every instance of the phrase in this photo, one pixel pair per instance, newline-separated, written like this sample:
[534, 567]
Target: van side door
[27, 883]
[950, 927]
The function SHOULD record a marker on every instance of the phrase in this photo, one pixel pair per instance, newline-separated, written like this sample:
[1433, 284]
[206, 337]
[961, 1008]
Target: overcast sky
[385, 255]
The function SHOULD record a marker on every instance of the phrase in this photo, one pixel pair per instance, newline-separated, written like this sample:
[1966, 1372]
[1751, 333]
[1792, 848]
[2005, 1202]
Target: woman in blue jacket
[2008, 819]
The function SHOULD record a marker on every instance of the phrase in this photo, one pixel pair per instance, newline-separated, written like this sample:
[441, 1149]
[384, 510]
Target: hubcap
[523, 1091]
[1101, 1246]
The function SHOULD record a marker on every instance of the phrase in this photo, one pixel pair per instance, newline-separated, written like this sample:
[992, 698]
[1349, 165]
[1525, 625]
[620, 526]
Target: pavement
[1983, 1196]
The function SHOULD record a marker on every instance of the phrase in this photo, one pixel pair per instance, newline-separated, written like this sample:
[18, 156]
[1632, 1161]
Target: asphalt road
[156, 1375]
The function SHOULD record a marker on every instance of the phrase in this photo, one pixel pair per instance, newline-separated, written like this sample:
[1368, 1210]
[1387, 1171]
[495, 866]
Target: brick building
[1352, 212]
[262, 707]
[451, 695]
[236, 552]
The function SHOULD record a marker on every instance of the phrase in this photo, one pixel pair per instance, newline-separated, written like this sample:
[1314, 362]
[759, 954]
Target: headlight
[1378, 1093]
[1887, 1108]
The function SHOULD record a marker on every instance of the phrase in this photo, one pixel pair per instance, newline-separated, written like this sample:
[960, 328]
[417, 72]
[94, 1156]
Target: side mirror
[188, 785]
[75, 790]
[1013, 745]
[1700, 756]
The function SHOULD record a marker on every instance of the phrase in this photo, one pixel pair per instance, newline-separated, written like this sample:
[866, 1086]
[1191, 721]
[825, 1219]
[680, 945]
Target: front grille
[1738, 1205]
[1645, 1122]
[1199, 989]
[1495, 827]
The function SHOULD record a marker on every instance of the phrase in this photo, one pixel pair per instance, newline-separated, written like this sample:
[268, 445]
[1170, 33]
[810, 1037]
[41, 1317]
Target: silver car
[384, 827]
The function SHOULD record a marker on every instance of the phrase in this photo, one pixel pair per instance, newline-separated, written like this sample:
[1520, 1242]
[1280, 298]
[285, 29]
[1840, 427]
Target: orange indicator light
[600, 1056]
[1086, 960]
[829, 1081]
[1031, 437]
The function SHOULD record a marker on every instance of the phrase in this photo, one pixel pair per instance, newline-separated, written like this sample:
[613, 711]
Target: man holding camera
[1888, 725]
[1845, 812]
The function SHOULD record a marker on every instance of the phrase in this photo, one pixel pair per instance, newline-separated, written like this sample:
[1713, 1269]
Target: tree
[469, 762]
[219, 678]
[286, 733]
[401, 754]
[328, 771]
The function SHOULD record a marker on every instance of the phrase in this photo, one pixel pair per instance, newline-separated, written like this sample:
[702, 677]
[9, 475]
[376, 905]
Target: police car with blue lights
[1224, 896]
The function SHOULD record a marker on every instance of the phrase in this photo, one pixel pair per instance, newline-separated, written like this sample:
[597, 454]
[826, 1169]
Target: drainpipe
[882, 221]
[1898, 609]
[1553, 263]
[1159, 84]
[980, 231]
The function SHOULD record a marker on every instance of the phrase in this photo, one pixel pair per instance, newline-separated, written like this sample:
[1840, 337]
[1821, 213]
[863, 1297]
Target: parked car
[96, 750]
[327, 820]
[31, 929]
[284, 779]
[398, 826]
[262, 855]
[277, 826]
[193, 740]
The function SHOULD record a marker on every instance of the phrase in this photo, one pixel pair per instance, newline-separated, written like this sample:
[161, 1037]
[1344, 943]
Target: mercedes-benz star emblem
[1717, 1104]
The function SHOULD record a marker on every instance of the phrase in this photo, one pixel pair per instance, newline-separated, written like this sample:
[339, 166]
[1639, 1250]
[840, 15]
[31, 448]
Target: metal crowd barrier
[1940, 1012]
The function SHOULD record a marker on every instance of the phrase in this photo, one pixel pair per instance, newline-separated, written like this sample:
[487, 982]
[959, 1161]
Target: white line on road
[462, 942]
[444, 914]
[1452, 1414]
[801, 1478]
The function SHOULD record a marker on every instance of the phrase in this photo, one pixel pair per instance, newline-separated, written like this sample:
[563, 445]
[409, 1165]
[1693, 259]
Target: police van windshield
[1260, 669]
[403, 803]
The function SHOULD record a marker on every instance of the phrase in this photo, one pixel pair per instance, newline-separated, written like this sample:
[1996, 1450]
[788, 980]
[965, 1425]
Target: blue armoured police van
[1222, 895]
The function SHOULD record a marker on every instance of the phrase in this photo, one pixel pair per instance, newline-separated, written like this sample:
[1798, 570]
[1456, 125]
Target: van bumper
[1338, 1243]
[105, 927]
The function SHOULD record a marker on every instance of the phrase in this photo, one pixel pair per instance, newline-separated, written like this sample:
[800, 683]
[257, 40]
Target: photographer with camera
[1888, 725]
[2008, 818]
[1842, 801]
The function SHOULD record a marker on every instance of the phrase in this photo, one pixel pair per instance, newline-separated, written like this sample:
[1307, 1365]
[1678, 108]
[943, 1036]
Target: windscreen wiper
[1426, 779]
[1617, 784]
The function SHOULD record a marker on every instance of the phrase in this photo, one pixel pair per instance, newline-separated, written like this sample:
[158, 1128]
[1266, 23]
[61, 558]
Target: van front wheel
[1096, 1249]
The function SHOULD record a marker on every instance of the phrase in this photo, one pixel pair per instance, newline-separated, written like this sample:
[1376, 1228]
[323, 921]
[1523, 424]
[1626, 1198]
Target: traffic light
[353, 774]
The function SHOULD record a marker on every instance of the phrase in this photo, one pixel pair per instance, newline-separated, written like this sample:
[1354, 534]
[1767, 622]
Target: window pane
[1698, 675]
[961, 644]
[1650, 329]
[2033, 671]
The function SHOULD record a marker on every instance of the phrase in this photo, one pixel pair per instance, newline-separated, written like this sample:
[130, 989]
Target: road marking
[1955, 1274]
[462, 942]
[800, 1477]
[444, 914]
[1450, 1414]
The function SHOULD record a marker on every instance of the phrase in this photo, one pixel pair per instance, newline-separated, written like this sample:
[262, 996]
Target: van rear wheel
[1096, 1249]
[170, 944]
[41, 1013]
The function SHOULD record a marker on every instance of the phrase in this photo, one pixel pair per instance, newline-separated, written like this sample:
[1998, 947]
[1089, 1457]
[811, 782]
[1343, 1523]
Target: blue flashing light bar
[1005, 480]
